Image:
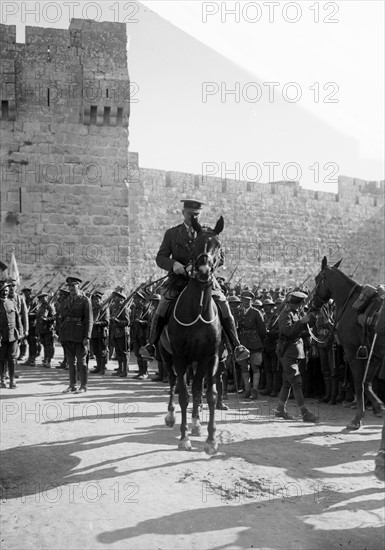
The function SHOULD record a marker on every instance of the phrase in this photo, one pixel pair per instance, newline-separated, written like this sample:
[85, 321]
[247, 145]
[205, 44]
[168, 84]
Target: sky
[326, 60]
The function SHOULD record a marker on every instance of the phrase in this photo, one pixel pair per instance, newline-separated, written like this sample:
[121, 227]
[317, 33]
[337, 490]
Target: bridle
[209, 258]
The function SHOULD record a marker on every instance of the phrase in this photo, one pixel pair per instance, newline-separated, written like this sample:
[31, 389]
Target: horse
[194, 334]
[333, 283]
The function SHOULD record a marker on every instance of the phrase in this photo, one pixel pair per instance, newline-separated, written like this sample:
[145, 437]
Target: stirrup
[147, 352]
[241, 353]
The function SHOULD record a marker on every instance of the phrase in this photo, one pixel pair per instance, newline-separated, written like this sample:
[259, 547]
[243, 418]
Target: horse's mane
[343, 275]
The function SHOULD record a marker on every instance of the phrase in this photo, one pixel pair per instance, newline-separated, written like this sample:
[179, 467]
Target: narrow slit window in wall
[106, 116]
[48, 97]
[4, 110]
[93, 115]
[20, 201]
[119, 117]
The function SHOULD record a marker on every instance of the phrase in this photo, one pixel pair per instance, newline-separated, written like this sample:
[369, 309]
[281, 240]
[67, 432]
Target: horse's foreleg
[211, 446]
[357, 369]
[184, 444]
[378, 406]
[170, 417]
[197, 403]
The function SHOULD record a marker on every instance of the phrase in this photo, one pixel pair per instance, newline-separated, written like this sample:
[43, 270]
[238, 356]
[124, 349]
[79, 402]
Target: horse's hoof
[196, 430]
[170, 420]
[354, 426]
[184, 445]
[211, 448]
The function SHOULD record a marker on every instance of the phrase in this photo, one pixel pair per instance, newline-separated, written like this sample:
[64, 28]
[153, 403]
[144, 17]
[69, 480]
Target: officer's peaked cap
[247, 294]
[71, 280]
[192, 205]
[297, 297]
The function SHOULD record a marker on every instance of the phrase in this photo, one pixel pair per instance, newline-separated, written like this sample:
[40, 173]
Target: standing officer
[175, 256]
[270, 359]
[75, 333]
[21, 308]
[120, 336]
[45, 328]
[62, 297]
[33, 347]
[291, 351]
[252, 332]
[11, 330]
[99, 335]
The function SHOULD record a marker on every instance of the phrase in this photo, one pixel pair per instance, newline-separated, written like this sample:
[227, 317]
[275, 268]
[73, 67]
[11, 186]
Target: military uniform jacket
[140, 321]
[11, 328]
[290, 330]
[23, 311]
[119, 328]
[251, 329]
[76, 319]
[101, 321]
[271, 339]
[45, 319]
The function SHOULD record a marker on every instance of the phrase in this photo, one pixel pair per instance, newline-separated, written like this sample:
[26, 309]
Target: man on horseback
[175, 256]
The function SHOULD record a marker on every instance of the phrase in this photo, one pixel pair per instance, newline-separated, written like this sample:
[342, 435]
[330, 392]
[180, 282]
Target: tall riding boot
[144, 373]
[246, 382]
[334, 392]
[240, 352]
[328, 391]
[97, 368]
[256, 380]
[269, 384]
[219, 384]
[120, 369]
[123, 374]
[139, 361]
[158, 377]
[148, 351]
[103, 361]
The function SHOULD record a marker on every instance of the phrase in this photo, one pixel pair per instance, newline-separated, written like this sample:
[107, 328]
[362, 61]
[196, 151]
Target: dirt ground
[101, 470]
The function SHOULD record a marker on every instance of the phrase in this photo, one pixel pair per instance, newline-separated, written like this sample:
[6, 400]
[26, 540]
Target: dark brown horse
[333, 283]
[194, 332]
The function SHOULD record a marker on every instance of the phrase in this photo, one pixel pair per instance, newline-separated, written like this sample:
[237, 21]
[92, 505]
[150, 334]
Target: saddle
[367, 319]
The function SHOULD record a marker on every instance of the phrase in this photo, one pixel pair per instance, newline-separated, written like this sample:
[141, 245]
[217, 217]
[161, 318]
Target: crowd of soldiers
[90, 324]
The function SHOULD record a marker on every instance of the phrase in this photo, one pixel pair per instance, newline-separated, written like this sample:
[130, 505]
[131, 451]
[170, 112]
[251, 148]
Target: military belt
[74, 319]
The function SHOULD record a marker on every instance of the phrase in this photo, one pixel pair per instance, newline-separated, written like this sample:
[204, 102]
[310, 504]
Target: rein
[199, 316]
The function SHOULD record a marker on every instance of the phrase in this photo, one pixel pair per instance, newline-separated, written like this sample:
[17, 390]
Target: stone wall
[64, 156]
[74, 200]
[276, 232]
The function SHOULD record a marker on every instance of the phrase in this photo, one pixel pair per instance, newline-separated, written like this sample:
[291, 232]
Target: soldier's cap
[192, 205]
[279, 301]
[73, 280]
[26, 289]
[248, 294]
[221, 279]
[235, 299]
[4, 284]
[268, 302]
[42, 295]
[97, 294]
[11, 281]
[155, 297]
[257, 303]
[64, 291]
[120, 294]
[297, 297]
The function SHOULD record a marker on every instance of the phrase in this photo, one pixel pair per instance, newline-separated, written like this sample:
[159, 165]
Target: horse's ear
[219, 226]
[337, 264]
[195, 224]
[324, 263]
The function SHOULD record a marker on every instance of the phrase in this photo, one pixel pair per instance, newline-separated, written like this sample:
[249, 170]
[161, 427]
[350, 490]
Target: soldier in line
[99, 335]
[120, 335]
[11, 329]
[252, 332]
[75, 333]
[291, 351]
[270, 359]
[45, 328]
[62, 296]
[34, 347]
[141, 317]
[162, 374]
[21, 308]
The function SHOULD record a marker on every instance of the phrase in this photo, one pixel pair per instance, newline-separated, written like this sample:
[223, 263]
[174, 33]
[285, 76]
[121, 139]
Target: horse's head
[206, 250]
[323, 292]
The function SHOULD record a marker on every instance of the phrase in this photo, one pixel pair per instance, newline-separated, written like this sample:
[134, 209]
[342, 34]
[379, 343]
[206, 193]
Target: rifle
[357, 266]
[34, 300]
[232, 275]
[130, 297]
